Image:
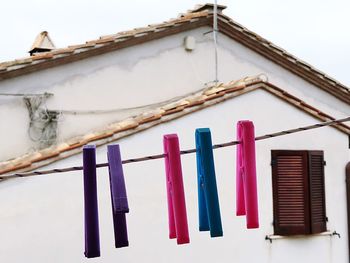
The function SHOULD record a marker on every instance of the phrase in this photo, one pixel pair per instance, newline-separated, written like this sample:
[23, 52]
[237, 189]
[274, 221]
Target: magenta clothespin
[240, 205]
[178, 226]
[246, 186]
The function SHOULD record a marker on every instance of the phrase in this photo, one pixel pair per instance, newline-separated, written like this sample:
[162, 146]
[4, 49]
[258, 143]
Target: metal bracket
[208, 32]
[268, 238]
[335, 233]
[326, 233]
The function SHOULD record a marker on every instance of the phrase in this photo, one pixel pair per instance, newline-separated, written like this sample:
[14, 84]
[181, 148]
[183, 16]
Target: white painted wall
[41, 218]
[147, 73]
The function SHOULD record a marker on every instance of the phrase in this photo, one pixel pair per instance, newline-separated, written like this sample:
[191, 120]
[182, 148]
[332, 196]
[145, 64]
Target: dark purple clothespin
[118, 194]
[92, 236]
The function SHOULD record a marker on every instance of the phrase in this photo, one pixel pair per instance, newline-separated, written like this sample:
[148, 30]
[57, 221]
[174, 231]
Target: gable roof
[201, 16]
[170, 111]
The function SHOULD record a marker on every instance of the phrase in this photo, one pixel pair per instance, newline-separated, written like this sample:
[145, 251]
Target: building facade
[131, 89]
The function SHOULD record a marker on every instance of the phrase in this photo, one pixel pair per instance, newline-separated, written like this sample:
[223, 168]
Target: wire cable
[152, 105]
[26, 94]
[183, 152]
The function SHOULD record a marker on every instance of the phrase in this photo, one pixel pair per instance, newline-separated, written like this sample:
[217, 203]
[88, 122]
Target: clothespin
[118, 194]
[92, 236]
[178, 226]
[208, 200]
[246, 186]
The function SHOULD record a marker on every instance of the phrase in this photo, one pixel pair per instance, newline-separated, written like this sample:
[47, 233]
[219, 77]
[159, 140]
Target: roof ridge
[187, 21]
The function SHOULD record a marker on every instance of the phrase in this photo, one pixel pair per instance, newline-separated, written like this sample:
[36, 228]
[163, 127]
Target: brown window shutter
[290, 192]
[317, 192]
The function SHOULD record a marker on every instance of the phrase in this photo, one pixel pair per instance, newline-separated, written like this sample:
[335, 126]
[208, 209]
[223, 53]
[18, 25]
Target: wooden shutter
[290, 192]
[298, 192]
[317, 192]
[347, 176]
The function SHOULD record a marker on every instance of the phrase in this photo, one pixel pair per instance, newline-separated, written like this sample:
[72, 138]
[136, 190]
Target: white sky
[316, 31]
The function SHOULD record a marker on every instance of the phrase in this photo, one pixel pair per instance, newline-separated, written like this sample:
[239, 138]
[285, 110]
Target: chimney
[208, 7]
[42, 43]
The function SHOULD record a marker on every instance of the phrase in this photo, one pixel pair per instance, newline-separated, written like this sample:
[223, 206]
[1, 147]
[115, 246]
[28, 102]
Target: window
[298, 192]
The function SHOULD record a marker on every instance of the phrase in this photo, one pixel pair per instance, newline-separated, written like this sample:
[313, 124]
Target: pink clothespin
[246, 186]
[178, 227]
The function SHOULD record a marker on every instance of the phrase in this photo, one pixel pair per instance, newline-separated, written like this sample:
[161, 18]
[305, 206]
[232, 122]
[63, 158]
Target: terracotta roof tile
[67, 50]
[174, 110]
[174, 105]
[74, 142]
[105, 40]
[196, 101]
[14, 167]
[44, 55]
[101, 135]
[73, 146]
[62, 147]
[127, 124]
[15, 67]
[216, 95]
[44, 155]
[115, 127]
[214, 90]
[149, 118]
[87, 138]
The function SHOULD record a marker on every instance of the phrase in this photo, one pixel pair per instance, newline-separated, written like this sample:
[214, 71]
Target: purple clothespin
[118, 195]
[92, 236]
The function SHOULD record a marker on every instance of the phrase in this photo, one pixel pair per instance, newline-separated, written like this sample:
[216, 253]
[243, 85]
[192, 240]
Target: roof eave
[191, 21]
[282, 58]
[172, 111]
[53, 61]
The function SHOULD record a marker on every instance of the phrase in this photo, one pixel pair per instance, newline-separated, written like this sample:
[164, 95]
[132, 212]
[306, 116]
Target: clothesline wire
[183, 152]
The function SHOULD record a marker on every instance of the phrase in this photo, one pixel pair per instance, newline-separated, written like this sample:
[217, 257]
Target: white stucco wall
[41, 218]
[147, 73]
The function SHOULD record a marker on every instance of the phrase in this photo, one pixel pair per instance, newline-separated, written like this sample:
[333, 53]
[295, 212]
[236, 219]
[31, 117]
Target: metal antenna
[215, 30]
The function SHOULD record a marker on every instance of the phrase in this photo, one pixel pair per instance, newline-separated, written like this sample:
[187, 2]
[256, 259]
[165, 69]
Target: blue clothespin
[208, 200]
[118, 193]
